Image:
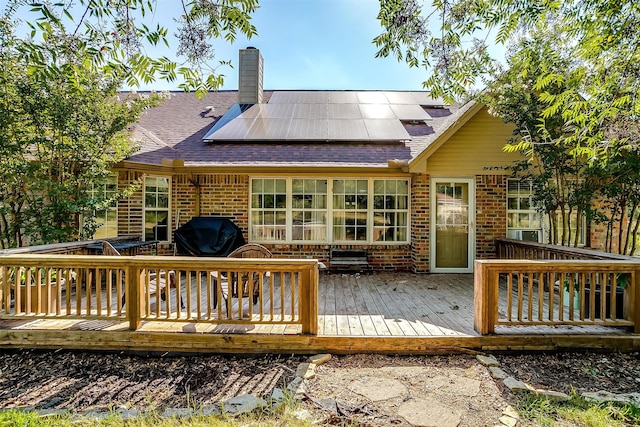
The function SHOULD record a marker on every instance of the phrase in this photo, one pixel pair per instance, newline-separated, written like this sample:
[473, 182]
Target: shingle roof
[174, 130]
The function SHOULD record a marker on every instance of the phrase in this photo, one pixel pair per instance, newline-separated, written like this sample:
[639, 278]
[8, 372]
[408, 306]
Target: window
[156, 208]
[390, 210]
[310, 210]
[106, 219]
[525, 222]
[350, 210]
[269, 209]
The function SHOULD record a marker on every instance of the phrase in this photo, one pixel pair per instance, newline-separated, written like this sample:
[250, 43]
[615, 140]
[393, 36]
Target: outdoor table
[131, 247]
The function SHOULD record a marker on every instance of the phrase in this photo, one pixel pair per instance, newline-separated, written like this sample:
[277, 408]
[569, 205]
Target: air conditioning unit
[528, 235]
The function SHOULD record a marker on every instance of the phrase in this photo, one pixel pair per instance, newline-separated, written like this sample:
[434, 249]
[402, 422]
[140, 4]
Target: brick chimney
[250, 78]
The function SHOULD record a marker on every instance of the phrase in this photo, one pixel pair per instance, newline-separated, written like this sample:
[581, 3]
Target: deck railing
[150, 288]
[519, 249]
[553, 285]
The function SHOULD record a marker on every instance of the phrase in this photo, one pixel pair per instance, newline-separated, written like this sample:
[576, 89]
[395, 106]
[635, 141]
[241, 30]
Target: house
[420, 184]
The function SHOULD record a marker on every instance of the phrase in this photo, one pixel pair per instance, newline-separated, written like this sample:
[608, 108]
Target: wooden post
[485, 298]
[309, 300]
[133, 294]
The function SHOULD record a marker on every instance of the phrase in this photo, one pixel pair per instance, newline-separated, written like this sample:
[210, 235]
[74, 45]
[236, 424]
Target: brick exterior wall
[491, 213]
[420, 211]
[228, 195]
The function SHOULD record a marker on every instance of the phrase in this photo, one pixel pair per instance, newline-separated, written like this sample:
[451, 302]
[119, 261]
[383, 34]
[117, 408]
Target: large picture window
[310, 210]
[156, 208]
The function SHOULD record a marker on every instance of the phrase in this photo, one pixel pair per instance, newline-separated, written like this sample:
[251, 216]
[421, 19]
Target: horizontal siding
[476, 149]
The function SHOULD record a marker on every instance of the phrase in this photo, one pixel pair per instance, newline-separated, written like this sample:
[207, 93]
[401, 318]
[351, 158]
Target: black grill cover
[208, 236]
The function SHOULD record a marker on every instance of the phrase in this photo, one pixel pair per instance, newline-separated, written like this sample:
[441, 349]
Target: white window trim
[545, 226]
[329, 231]
[144, 208]
[115, 207]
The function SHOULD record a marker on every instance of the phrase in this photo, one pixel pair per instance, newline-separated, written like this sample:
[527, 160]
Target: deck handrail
[77, 247]
[556, 292]
[118, 288]
[521, 249]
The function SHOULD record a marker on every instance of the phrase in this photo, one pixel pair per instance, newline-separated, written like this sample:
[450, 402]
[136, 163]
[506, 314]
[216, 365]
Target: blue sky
[306, 44]
[317, 44]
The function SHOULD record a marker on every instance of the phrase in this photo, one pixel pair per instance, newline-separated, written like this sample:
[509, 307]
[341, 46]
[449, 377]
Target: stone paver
[306, 370]
[516, 386]
[379, 388]
[497, 373]
[319, 359]
[487, 360]
[454, 385]
[429, 412]
[243, 404]
[508, 421]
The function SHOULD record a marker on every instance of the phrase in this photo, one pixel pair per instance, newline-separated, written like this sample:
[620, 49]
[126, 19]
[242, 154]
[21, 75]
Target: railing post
[133, 297]
[485, 289]
[309, 301]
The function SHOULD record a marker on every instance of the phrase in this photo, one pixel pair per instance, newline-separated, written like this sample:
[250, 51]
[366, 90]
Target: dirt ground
[82, 381]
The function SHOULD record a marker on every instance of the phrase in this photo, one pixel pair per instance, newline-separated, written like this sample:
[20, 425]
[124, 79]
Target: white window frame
[515, 232]
[545, 227]
[330, 212]
[156, 209]
[101, 188]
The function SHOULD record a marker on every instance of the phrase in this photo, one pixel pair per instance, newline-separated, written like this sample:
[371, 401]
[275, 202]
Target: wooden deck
[378, 312]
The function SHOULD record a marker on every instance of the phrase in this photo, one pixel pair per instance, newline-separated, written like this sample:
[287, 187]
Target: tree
[112, 38]
[563, 186]
[567, 186]
[62, 125]
[59, 138]
[451, 43]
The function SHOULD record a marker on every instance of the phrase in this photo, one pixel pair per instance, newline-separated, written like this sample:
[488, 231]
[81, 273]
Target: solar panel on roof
[233, 112]
[376, 111]
[268, 129]
[311, 111]
[386, 130]
[347, 130]
[400, 97]
[409, 112]
[235, 130]
[357, 116]
[308, 129]
[342, 98]
[372, 98]
[423, 98]
[343, 111]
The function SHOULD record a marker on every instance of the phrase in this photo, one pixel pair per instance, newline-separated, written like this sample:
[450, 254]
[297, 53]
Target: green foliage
[112, 37]
[63, 129]
[599, 38]
[544, 411]
[541, 75]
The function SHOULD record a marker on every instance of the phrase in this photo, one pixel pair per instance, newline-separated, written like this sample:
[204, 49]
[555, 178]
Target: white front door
[452, 225]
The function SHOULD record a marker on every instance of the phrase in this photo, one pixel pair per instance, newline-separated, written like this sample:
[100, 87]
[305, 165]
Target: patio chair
[158, 282]
[250, 250]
